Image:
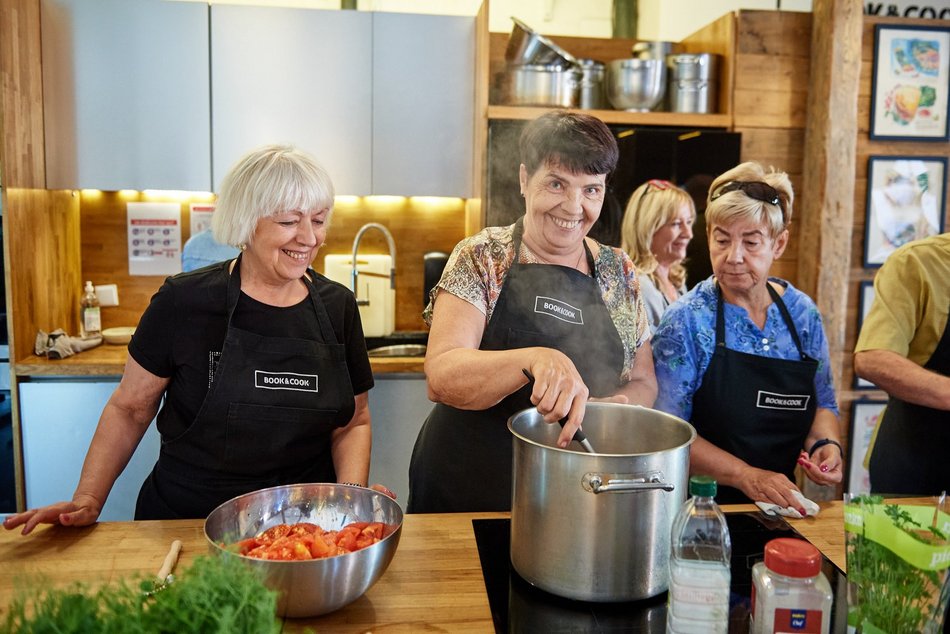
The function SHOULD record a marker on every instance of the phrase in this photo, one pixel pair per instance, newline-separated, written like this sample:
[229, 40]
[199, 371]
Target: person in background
[657, 228]
[904, 349]
[533, 299]
[231, 357]
[202, 249]
[744, 357]
[697, 262]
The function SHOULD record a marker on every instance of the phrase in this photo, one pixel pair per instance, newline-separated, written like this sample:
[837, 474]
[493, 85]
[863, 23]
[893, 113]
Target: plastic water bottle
[699, 564]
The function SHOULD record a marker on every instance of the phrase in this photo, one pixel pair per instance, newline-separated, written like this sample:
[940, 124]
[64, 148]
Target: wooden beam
[825, 220]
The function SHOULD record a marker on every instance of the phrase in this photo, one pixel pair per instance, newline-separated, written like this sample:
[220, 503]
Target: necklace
[531, 257]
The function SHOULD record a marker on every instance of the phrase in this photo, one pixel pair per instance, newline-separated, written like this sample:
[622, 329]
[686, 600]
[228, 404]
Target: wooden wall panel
[418, 226]
[22, 157]
[769, 101]
[783, 33]
[43, 246]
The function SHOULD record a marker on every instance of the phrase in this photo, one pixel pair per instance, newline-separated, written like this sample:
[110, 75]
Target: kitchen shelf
[672, 119]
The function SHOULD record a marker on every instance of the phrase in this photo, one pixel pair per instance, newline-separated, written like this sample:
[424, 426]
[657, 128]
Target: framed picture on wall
[865, 298]
[905, 201]
[909, 82]
[864, 416]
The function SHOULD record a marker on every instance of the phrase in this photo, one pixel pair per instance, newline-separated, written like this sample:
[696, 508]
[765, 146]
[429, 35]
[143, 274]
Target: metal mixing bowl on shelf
[636, 85]
[528, 47]
[316, 586]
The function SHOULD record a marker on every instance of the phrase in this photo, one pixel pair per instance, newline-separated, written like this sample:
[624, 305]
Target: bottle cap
[792, 557]
[702, 485]
[88, 286]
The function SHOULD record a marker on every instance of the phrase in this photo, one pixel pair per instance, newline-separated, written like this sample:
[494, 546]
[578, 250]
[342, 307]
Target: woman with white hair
[657, 228]
[744, 358]
[258, 363]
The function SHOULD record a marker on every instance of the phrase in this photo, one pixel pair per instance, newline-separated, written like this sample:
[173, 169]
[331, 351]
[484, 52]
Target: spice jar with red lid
[789, 591]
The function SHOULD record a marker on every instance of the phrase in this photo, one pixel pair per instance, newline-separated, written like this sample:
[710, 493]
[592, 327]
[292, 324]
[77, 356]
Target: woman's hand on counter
[762, 485]
[79, 512]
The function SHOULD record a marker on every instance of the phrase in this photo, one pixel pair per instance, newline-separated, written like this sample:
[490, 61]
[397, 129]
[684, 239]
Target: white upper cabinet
[152, 94]
[423, 104]
[126, 94]
[384, 101]
[298, 76]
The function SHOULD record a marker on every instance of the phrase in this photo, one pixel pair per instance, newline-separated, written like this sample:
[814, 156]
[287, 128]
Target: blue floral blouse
[684, 340]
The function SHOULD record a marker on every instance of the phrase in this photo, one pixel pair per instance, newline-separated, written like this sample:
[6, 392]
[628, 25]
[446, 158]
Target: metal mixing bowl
[317, 586]
[637, 85]
[528, 47]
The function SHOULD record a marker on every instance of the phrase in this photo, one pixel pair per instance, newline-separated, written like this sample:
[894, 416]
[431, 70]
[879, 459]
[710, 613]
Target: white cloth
[774, 509]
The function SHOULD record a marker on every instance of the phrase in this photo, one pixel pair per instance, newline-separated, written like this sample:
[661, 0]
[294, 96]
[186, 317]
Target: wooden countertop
[434, 582]
[109, 360]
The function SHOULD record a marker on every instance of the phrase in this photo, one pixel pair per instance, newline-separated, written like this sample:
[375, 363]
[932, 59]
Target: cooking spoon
[579, 435]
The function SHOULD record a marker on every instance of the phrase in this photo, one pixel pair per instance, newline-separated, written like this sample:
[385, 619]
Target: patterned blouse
[684, 341]
[477, 267]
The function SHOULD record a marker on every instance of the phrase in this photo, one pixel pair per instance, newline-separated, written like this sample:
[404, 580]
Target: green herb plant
[215, 595]
[888, 593]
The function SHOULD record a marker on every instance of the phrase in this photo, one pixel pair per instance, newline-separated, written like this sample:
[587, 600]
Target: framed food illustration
[864, 417]
[865, 299]
[910, 82]
[905, 199]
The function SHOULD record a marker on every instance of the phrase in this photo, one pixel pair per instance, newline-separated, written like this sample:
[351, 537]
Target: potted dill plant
[898, 566]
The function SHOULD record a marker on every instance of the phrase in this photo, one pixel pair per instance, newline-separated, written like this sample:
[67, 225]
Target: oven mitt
[774, 509]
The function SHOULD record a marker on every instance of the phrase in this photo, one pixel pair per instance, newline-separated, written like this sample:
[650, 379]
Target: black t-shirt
[182, 332]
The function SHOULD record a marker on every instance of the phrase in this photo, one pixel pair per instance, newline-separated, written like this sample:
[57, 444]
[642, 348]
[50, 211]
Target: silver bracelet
[354, 484]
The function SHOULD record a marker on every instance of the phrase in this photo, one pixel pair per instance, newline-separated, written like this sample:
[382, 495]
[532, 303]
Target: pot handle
[624, 482]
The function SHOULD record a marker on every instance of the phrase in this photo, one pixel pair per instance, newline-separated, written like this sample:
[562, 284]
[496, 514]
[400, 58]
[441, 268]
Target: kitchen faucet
[392, 254]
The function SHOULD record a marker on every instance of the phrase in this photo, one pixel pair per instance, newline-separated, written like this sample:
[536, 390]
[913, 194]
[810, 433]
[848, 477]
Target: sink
[399, 350]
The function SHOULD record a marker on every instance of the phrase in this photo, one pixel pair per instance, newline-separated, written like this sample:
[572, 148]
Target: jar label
[797, 621]
[91, 321]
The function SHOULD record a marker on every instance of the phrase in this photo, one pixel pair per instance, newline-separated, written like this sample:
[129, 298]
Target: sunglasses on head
[763, 192]
[659, 184]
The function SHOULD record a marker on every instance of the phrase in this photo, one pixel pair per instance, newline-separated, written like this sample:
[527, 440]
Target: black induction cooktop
[517, 606]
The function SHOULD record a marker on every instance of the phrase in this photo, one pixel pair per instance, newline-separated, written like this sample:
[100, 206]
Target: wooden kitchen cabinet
[383, 101]
[299, 76]
[126, 94]
[423, 104]
[57, 421]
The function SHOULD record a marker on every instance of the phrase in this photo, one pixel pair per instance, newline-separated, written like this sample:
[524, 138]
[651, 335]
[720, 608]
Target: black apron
[266, 420]
[461, 461]
[909, 454]
[759, 409]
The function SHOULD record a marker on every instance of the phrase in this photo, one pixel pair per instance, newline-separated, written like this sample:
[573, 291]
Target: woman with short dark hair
[535, 314]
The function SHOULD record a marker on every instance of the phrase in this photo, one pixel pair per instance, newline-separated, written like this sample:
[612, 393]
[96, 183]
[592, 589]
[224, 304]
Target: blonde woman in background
[657, 228]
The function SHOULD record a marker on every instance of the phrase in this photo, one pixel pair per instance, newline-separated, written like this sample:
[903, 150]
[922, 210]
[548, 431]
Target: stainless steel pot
[692, 95]
[596, 527]
[534, 85]
[698, 66]
[592, 93]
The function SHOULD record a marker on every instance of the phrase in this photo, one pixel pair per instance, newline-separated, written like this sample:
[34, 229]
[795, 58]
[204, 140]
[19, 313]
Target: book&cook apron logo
[560, 310]
[771, 400]
[285, 381]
